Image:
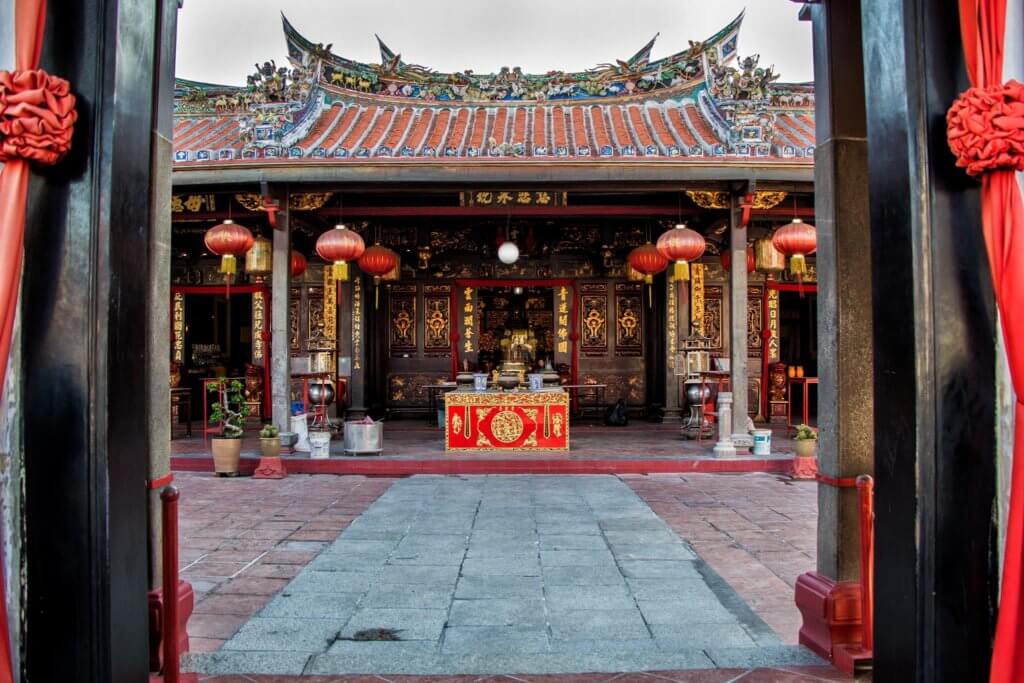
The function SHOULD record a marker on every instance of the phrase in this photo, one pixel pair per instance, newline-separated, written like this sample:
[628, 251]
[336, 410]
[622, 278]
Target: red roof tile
[579, 128]
[322, 125]
[398, 129]
[539, 128]
[519, 126]
[476, 135]
[499, 126]
[601, 137]
[558, 127]
[362, 122]
[657, 118]
[700, 126]
[622, 135]
[680, 127]
[341, 127]
[420, 126]
[380, 126]
[458, 129]
[441, 122]
[640, 126]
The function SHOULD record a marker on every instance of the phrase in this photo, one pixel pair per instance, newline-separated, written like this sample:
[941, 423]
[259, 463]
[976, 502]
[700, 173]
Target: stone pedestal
[725, 448]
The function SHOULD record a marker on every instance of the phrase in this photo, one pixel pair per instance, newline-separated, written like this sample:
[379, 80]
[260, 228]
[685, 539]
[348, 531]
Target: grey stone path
[504, 574]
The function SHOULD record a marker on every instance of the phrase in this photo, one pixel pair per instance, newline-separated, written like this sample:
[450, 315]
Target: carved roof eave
[587, 172]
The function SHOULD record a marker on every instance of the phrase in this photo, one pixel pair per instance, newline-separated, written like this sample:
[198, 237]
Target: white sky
[220, 40]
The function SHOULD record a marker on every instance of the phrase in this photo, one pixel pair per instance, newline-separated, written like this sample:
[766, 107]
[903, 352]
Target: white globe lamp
[508, 253]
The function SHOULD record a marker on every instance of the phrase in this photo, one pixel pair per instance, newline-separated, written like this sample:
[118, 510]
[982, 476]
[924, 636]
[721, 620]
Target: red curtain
[986, 130]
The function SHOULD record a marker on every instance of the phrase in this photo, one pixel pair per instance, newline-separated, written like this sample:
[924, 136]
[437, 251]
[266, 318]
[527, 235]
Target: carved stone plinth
[805, 467]
[270, 468]
[725, 448]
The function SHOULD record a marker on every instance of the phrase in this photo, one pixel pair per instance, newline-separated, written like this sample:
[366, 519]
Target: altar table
[506, 420]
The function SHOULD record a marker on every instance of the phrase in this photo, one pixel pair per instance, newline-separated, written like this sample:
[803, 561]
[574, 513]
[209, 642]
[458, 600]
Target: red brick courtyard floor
[242, 540]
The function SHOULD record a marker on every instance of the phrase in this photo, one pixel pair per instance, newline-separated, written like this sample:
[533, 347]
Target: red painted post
[169, 497]
[865, 494]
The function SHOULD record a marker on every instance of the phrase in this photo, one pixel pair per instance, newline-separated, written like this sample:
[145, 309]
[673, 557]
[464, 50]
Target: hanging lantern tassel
[376, 293]
[798, 266]
[340, 271]
[681, 271]
[228, 264]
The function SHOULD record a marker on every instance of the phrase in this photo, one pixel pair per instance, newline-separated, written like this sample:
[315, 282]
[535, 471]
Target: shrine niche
[594, 319]
[408, 389]
[437, 320]
[755, 320]
[402, 320]
[631, 388]
[628, 319]
[317, 335]
[713, 316]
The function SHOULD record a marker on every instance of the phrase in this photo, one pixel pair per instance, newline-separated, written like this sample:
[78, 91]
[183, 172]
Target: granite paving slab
[502, 574]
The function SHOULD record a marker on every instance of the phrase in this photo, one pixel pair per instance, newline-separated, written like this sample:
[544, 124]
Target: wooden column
[738, 319]
[280, 282]
[934, 426]
[85, 325]
[159, 291]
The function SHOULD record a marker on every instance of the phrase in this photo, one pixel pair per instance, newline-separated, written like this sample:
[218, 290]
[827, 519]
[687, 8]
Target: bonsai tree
[230, 410]
[805, 433]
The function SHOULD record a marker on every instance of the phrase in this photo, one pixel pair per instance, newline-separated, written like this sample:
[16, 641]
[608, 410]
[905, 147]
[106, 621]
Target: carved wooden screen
[402, 320]
[629, 309]
[594, 318]
[437, 328]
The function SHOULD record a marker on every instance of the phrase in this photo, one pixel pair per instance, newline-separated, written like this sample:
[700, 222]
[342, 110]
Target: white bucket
[762, 441]
[321, 445]
[301, 429]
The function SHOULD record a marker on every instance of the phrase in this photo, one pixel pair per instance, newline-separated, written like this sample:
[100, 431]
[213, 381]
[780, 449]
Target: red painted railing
[172, 655]
[865, 494]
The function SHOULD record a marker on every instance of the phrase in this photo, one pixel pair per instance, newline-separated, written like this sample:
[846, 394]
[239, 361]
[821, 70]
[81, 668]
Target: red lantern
[646, 259]
[796, 240]
[339, 246]
[298, 264]
[682, 245]
[727, 259]
[377, 261]
[229, 240]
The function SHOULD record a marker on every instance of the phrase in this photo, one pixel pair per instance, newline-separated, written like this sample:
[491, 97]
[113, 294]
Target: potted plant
[270, 441]
[806, 441]
[230, 412]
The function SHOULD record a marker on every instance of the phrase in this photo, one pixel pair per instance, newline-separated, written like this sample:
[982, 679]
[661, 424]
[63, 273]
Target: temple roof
[700, 104]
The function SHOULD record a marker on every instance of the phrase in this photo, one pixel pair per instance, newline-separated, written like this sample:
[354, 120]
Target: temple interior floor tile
[481, 575]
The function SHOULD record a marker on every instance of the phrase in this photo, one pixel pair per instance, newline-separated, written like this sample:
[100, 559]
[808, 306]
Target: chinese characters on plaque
[178, 328]
[467, 320]
[511, 198]
[563, 320]
[357, 323]
[259, 314]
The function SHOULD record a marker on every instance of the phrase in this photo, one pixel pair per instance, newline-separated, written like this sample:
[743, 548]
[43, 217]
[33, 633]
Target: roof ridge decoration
[712, 103]
[396, 78]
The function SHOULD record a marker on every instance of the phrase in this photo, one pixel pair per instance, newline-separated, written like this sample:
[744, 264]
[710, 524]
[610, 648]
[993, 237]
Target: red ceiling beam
[602, 210]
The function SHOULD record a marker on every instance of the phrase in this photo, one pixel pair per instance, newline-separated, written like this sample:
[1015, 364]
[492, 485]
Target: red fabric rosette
[37, 116]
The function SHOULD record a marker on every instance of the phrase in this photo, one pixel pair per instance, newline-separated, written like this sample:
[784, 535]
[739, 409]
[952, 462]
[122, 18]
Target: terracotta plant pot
[226, 455]
[806, 448]
[270, 448]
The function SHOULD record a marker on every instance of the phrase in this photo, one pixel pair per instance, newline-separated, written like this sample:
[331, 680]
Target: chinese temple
[507, 210]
